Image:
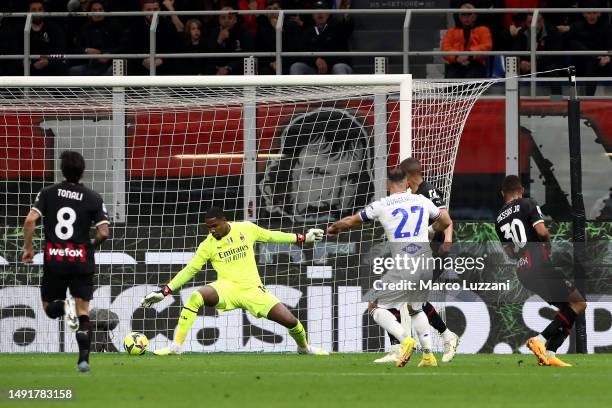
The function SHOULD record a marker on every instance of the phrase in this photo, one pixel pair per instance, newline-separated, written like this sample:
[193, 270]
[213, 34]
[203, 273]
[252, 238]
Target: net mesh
[287, 158]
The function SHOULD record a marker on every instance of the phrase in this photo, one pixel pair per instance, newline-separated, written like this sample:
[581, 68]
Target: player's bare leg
[206, 295]
[83, 334]
[281, 315]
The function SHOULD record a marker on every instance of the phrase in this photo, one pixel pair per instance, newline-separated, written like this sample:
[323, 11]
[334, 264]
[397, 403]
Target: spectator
[561, 19]
[74, 24]
[508, 17]
[520, 22]
[265, 40]
[167, 39]
[293, 28]
[46, 39]
[467, 38]
[493, 21]
[250, 20]
[593, 34]
[209, 5]
[176, 21]
[229, 36]
[327, 34]
[300, 19]
[100, 35]
[548, 38]
[508, 35]
[193, 43]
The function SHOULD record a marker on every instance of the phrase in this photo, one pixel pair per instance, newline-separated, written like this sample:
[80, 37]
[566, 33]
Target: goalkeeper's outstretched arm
[185, 275]
[279, 237]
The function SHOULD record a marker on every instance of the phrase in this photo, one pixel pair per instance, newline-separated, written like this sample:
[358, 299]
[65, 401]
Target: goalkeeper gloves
[155, 296]
[314, 235]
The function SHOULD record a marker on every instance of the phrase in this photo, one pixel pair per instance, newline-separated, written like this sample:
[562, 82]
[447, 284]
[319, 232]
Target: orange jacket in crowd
[480, 40]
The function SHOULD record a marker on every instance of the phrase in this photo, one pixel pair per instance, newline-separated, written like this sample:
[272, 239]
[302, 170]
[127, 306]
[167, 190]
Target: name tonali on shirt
[68, 211]
[516, 222]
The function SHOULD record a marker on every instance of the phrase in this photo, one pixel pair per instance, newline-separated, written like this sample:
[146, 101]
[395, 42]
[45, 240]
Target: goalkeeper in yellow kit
[229, 248]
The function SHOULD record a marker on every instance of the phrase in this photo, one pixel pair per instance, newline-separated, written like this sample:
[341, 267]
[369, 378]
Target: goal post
[183, 81]
[287, 152]
[405, 136]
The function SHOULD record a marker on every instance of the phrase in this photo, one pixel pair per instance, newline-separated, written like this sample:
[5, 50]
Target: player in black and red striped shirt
[68, 210]
[521, 228]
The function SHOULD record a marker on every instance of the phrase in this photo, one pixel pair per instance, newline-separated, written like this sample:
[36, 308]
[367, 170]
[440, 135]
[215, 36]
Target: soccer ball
[135, 344]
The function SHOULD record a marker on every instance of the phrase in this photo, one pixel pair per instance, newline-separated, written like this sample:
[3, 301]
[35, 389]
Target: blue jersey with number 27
[404, 216]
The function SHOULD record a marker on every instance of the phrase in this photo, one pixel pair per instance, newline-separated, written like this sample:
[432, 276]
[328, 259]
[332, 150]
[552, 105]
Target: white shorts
[398, 286]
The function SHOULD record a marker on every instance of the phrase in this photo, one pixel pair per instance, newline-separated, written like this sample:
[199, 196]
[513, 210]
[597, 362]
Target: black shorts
[537, 273]
[56, 279]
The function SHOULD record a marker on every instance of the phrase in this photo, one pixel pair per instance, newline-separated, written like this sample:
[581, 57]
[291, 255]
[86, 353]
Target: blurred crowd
[319, 32]
[222, 34]
[588, 31]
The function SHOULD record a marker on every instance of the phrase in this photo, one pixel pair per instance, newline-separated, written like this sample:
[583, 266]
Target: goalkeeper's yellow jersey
[233, 256]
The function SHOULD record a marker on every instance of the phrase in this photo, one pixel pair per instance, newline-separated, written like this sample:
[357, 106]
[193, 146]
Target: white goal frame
[418, 115]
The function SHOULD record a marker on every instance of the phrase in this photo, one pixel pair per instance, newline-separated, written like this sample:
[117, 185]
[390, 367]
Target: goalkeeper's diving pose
[404, 217]
[229, 248]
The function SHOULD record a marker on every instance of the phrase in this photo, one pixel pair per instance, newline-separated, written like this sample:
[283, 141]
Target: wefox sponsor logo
[68, 253]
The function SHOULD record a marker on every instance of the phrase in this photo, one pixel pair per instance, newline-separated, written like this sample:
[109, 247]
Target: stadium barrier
[405, 53]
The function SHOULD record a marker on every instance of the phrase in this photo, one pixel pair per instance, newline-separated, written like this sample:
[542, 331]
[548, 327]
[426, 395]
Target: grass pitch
[287, 380]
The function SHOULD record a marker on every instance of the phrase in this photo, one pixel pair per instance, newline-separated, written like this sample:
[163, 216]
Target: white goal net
[286, 155]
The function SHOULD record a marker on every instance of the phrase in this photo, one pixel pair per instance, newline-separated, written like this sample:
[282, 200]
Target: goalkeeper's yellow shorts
[257, 300]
